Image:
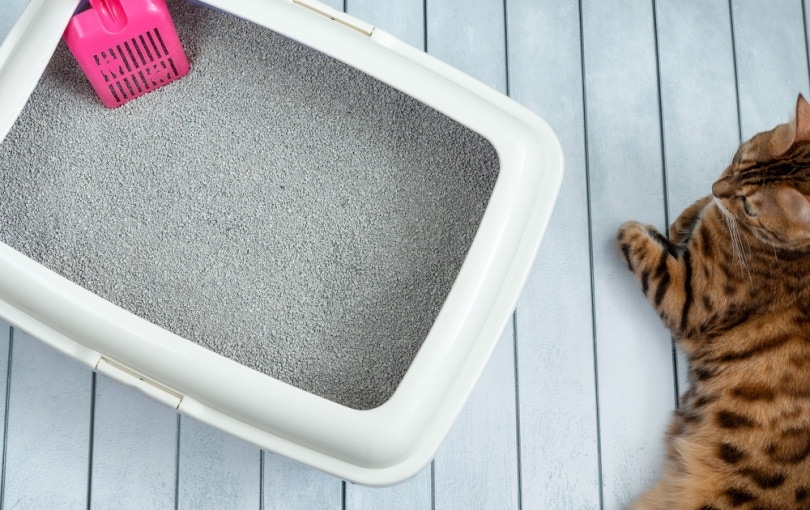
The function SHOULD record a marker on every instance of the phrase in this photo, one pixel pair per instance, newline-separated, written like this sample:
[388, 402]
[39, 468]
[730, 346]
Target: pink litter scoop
[126, 48]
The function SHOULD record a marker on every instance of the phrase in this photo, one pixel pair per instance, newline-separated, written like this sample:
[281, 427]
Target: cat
[732, 283]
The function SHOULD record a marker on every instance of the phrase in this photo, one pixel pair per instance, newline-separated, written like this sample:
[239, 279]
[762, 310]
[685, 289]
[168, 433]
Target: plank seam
[806, 45]
[518, 445]
[736, 76]
[600, 474]
[5, 417]
[425, 25]
[506, 46]
[664, 177]
[433, 485]
[90, 440]
[261, 465]
[518, 449]
[177, 466]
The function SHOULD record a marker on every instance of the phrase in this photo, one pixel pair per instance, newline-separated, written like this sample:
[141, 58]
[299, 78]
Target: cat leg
[662, 268]
[681, 230]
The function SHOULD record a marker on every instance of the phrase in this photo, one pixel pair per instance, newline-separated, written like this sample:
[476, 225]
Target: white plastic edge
[136, 381]
[26, 52]
[376, 447]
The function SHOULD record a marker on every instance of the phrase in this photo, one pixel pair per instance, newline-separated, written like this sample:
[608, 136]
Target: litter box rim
[380, 446]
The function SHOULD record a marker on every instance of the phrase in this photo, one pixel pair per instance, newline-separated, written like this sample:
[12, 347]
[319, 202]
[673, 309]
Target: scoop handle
[111, 13]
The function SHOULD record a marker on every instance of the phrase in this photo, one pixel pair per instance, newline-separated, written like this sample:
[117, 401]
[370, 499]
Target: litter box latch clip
[335, 15]
[135, 380]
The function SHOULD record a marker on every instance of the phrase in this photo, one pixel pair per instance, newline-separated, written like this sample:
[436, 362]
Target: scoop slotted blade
[126, 48]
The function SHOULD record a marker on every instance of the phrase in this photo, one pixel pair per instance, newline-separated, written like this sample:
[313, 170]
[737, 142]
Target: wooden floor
[649, 99]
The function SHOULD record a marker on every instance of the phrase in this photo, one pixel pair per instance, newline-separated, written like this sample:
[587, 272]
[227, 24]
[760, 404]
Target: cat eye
[747, 207]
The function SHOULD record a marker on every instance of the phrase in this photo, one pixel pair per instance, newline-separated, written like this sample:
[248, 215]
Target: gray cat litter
[275, 206]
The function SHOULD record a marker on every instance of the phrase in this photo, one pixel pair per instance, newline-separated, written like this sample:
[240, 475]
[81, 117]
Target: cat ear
[796, 131]
[795, 206]
[802, 121]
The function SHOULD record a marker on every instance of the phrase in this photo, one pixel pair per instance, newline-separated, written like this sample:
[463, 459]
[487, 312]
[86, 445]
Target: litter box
[355, 202]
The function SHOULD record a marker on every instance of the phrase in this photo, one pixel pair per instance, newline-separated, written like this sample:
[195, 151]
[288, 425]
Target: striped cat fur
[732, 282]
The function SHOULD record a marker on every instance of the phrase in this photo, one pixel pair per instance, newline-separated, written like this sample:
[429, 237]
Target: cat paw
[631, 238]
[626, 237]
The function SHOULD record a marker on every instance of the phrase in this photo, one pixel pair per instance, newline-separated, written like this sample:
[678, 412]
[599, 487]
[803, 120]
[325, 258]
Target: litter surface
[275, 206]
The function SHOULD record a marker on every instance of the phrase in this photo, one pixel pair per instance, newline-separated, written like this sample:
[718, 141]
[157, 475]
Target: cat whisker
[736, 240]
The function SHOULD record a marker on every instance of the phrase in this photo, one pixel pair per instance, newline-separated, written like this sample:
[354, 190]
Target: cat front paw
[630, 235]
[638, 241]
[656, 264]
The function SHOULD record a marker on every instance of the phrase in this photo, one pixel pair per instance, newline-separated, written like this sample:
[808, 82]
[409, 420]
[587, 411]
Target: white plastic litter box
[381, 445]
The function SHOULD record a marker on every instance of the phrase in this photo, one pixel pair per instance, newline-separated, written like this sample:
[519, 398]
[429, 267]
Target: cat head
[767, 185]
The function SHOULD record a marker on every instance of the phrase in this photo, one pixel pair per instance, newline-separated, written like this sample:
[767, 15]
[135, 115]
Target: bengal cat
[732, 282]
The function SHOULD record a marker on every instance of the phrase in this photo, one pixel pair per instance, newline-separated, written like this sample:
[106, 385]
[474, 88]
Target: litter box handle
[111, 13]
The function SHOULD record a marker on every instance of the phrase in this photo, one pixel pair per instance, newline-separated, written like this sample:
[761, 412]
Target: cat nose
[723, 188]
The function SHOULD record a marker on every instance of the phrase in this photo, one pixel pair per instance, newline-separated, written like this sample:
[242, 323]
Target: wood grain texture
[635, 362]
[134, 449]
[698, 96]
[47, 452]
[469, 36]
[413, 494]
[771, 61]
[292, 486]
[216, 470]
[554, 315]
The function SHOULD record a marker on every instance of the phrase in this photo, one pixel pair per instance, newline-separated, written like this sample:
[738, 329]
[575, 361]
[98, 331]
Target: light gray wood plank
[698, 96]
[469, 36]
[403, 19]
[134, 449]
[413, 494]
[477, 466]
[771, 61]
[698, 102]
[10, 10]
[47, 453]
[634, 350]
[554, 314]
[292, 486]
[216, 470]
